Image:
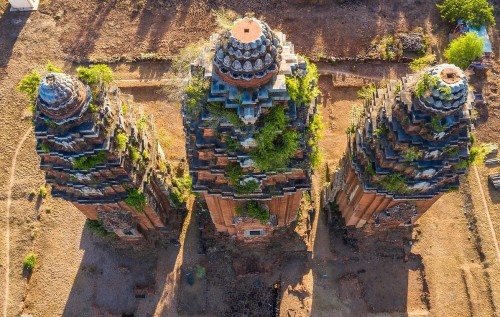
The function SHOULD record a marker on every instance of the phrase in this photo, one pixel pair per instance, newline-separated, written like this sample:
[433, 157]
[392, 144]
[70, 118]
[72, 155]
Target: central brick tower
[247, 98]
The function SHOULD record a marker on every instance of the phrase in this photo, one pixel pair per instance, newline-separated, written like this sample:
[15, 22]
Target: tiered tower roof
[416, 131]
[62, 98]
[249, 54]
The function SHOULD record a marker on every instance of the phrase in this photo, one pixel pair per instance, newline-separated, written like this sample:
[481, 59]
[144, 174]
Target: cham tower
[247, 140]
[411, 145]
[102, 155]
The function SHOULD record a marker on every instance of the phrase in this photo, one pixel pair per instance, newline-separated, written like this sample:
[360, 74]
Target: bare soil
[450, 269]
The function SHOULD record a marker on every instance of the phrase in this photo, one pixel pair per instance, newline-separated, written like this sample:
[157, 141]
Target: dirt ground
[452, 266]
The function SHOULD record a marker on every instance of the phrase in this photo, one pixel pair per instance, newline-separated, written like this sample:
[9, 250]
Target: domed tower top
[446, 89]
[248, 55]
[62, 98]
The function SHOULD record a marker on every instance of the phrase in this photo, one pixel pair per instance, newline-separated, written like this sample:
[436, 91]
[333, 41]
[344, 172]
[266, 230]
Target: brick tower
[246, 75]
[103, 158]
[411, 145]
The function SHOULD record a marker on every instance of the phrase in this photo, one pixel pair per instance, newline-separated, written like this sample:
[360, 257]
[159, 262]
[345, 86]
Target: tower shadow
[11, 25]
[368, 271]
[118, 280]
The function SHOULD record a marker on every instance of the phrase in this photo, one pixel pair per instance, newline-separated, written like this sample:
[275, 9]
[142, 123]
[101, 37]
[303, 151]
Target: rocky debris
[412, 42]
[495, 180]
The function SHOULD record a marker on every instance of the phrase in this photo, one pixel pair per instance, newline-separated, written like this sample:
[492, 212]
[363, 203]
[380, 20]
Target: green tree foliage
[422, 62]
[29, 261]
[463, 50]
[181, 189]
[135, 155]
[304, 88]
[96, 74]
[276, 145]
[254, 210]
[476, 12]
[136, 200]
[88, 162]
[196, 94]
[29, 85]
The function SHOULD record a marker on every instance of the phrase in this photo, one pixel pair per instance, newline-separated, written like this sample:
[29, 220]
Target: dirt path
[487, 211]
[7, 216]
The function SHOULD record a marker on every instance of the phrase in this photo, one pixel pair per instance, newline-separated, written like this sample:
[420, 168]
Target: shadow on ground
[11, 25]
[114, 281]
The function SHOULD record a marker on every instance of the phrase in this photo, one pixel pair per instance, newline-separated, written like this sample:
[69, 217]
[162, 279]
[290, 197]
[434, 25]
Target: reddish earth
[452, 269]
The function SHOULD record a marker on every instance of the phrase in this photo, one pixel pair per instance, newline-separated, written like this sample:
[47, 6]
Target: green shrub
[412, 154]
[276, 145]
[462, 164]
[477, 154]
[136, 200]
[381, 131]
[366, 92]
[436, 125]
[121, 140]
[29, 85]
[45, 148]
[95, 226]
[88, 162]
[218, 112]
[42, 191]
[141, 123]
[395, 183]
[234, 172]
[95, 75]
[389, 48]
[51, 68]
[232, 145]
[422, 62]
[29, 261]
[315, 129]
[247, 187]
[303, 89]
[93, 108]
[476, 12]
[135, 155]
[181, 189]
[254, 210]
[196, 94]
[425, 83]
[464, 49]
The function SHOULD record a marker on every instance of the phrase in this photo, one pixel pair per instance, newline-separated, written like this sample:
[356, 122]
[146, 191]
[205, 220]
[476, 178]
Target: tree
[476, 12]
[95, 74]
[463, 50]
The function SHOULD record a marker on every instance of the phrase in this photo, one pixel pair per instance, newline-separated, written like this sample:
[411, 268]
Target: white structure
[23, 5]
